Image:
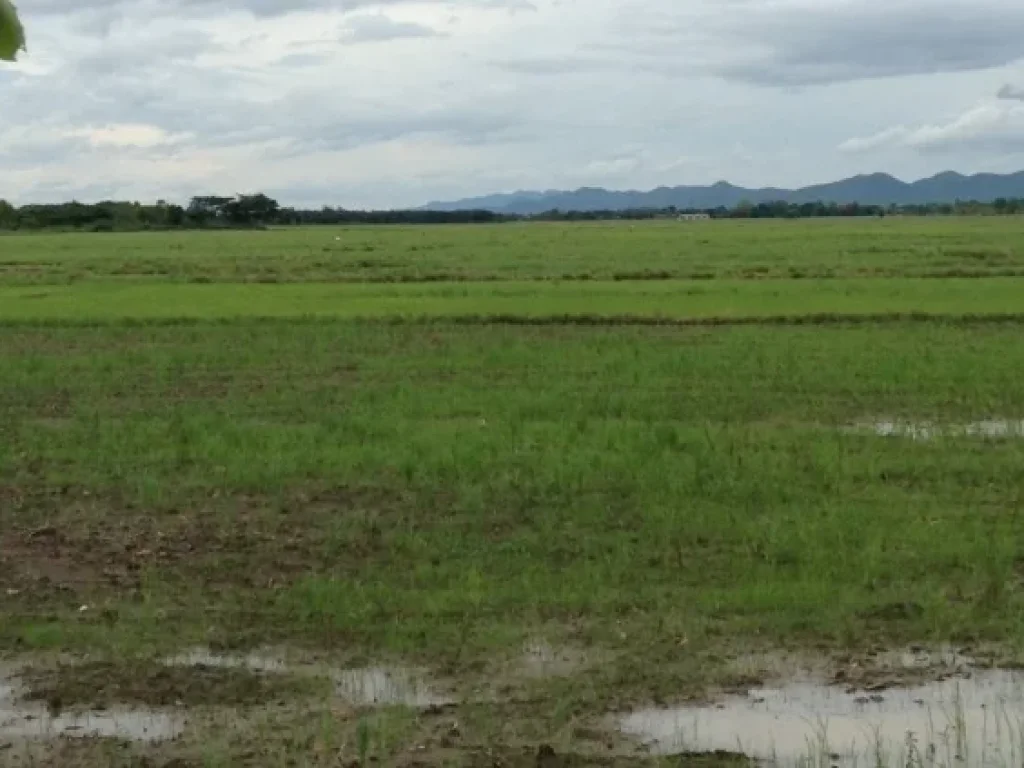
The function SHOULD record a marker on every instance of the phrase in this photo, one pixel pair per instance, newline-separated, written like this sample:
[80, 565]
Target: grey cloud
[182, 99]
[301, 60]
[121, 55]
[821, 43]
[262, 8]
[809, 42]
[459, 126]
[509, 5]
[553, 65]
[229, 107]
[378, 27]
[48, 191]
[24, 155]
[73, 190]
[285, 106]
[1011, 92]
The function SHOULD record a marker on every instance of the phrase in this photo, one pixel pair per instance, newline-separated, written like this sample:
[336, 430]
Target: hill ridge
[868, 189]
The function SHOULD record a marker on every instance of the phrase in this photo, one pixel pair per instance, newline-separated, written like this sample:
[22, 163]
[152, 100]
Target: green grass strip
[715, 301]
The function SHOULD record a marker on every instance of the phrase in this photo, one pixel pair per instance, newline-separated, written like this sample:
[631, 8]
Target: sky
[392, 103]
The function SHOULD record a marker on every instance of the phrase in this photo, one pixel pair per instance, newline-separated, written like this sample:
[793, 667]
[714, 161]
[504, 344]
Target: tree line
[780, 209]
[259, 210]
[212, 212]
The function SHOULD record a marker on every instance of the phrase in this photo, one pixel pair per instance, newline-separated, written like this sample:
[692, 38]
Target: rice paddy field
[512, 495]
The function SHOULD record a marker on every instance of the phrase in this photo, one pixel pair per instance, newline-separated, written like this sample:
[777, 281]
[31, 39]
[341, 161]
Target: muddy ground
[201, 708]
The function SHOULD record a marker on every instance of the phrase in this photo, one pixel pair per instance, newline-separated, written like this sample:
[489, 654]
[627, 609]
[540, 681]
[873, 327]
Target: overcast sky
[389, 103]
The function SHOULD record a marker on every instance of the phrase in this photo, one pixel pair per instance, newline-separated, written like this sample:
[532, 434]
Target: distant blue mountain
[870, 189]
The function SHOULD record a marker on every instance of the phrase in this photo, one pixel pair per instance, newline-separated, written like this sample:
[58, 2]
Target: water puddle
[383, 686]
[365, 687]
[19, 720]
[972, 719]
[203, 657]
[923, 431]
[133, 725]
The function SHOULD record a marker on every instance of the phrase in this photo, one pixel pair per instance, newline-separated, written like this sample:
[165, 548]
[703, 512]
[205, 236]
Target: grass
[482, 482]
[894, 247]
[680, 300]
[292, 467]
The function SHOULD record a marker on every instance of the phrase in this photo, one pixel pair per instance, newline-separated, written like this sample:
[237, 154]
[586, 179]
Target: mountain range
[867, 189]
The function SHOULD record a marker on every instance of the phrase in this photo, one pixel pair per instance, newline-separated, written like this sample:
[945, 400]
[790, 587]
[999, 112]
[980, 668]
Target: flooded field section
[900, 709]
[963, 716]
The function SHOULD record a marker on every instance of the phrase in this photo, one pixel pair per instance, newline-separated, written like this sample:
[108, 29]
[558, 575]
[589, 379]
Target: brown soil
[77, 753]
[91, 753]
[101, 684]
[81, 544]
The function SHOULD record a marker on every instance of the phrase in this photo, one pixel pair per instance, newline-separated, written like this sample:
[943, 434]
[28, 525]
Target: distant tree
[12, 34]
[175, 216]
[8, 215]
[744, 209]
[251, 209]
[204, 208]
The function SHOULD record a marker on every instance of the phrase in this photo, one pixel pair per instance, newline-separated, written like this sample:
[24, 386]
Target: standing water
[976, 719]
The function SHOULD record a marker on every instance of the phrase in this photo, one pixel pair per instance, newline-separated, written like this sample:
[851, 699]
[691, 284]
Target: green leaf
[12, 34]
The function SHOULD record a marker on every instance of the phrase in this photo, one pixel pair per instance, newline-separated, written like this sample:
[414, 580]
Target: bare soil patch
[79, 544]
[99, 684]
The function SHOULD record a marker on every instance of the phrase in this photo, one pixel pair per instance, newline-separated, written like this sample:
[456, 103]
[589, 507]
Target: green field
[893, 247]
[668, 481]
[669, 300]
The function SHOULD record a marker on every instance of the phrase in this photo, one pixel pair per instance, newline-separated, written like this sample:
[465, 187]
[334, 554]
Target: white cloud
[889, 136]
[995, 125]
[129, 135]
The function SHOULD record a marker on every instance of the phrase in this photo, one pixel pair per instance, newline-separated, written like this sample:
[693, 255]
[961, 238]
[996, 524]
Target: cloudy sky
[395, 102]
